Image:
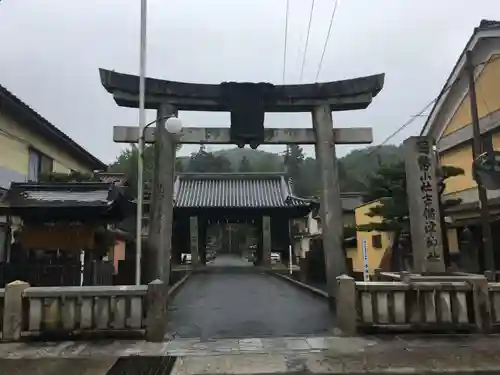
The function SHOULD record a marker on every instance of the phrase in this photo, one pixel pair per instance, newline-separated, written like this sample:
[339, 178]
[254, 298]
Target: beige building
[305, 229]
[450, 125]
[375, 242]
[30, 146]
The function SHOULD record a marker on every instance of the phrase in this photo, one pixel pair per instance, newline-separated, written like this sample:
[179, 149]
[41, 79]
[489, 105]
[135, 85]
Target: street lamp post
[173, 125]
[142, 121]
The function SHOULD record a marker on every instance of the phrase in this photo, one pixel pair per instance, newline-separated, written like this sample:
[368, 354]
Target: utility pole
[477, 149]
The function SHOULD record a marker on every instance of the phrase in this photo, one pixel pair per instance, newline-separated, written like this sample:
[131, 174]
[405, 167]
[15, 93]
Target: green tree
[348, 181]
[358, 165]
[204, 161]
[127, 163]
[388, 185]
[267, 166]
[245, 165]
[221, 164]
[310, 183]
[293, 158]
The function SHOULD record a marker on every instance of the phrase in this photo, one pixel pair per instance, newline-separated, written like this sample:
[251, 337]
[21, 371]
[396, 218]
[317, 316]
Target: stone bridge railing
[418, 304]
[70, 311]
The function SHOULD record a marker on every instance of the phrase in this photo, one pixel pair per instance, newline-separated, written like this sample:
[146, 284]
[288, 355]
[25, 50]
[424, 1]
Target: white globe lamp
[173, 125]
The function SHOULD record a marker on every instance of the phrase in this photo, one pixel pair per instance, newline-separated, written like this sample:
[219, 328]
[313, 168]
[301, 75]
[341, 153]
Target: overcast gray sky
[51, 50]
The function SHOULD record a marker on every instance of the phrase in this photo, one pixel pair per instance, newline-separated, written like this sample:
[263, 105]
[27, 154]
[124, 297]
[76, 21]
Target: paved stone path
[230, 260]
[321, 355]
[237, 304]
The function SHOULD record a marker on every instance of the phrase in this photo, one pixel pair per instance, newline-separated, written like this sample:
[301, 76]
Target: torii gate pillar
[332, 222]
[159, 246]
[320, 99]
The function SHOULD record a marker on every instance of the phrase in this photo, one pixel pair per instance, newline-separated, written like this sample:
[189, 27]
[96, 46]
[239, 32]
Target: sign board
[60, 236]
[423, 204]
[366, 273]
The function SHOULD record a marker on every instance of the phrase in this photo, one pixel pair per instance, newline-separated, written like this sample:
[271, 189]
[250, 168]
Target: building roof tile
[242, 190]
[61, 194]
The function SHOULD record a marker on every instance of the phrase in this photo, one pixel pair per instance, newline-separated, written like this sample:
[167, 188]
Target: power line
[412, 119]
[335, 6]
[421, 112]
[287, 11]
[307, 40]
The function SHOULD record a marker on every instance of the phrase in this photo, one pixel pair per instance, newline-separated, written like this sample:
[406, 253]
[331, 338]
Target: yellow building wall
[495, 139]
[60, 168]
[488, 97]
[13, 153]
[488, 100]
[15, 142]
[374, 255]
[460, 156]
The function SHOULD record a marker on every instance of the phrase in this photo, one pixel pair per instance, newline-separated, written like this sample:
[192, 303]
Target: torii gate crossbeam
[320, 99]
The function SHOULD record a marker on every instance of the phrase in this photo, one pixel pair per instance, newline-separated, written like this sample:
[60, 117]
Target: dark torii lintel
[349, 94]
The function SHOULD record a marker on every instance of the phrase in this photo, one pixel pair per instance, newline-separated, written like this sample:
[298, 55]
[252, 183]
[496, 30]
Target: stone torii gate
[247, 103]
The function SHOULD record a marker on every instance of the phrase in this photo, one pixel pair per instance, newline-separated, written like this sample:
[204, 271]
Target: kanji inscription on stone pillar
[423, 203]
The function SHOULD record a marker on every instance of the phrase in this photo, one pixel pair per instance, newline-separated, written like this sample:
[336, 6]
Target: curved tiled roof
[61, 194]
[248, 190]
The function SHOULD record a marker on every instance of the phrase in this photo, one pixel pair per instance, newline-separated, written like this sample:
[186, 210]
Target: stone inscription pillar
[331, 205]
[266, 240]
[425, 221]
[194, 241]
[161, 217]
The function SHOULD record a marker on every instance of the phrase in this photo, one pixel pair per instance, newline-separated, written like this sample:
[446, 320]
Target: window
[377, 241]
[38, 164]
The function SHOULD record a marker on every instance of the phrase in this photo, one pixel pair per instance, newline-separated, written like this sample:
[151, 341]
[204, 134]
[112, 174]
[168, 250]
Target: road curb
[177, 286]
[315, 291]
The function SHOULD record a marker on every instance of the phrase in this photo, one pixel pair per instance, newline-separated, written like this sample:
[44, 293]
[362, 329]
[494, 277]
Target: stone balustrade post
[156, 311]
[13, 310]
[346, 305]
[481, 302]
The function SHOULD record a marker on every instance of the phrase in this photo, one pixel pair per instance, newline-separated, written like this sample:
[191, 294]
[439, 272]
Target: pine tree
[388, 185]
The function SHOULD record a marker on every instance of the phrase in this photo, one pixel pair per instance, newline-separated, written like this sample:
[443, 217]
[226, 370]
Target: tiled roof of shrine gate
[231, 190]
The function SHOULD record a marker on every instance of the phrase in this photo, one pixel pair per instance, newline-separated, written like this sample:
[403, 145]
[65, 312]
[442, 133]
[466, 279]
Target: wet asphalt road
[233, 302]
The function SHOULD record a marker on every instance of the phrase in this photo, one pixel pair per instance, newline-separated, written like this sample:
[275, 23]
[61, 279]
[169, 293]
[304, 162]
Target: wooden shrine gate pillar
[331, 204]
[161, 219]
[194, 234]
[266, 241]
